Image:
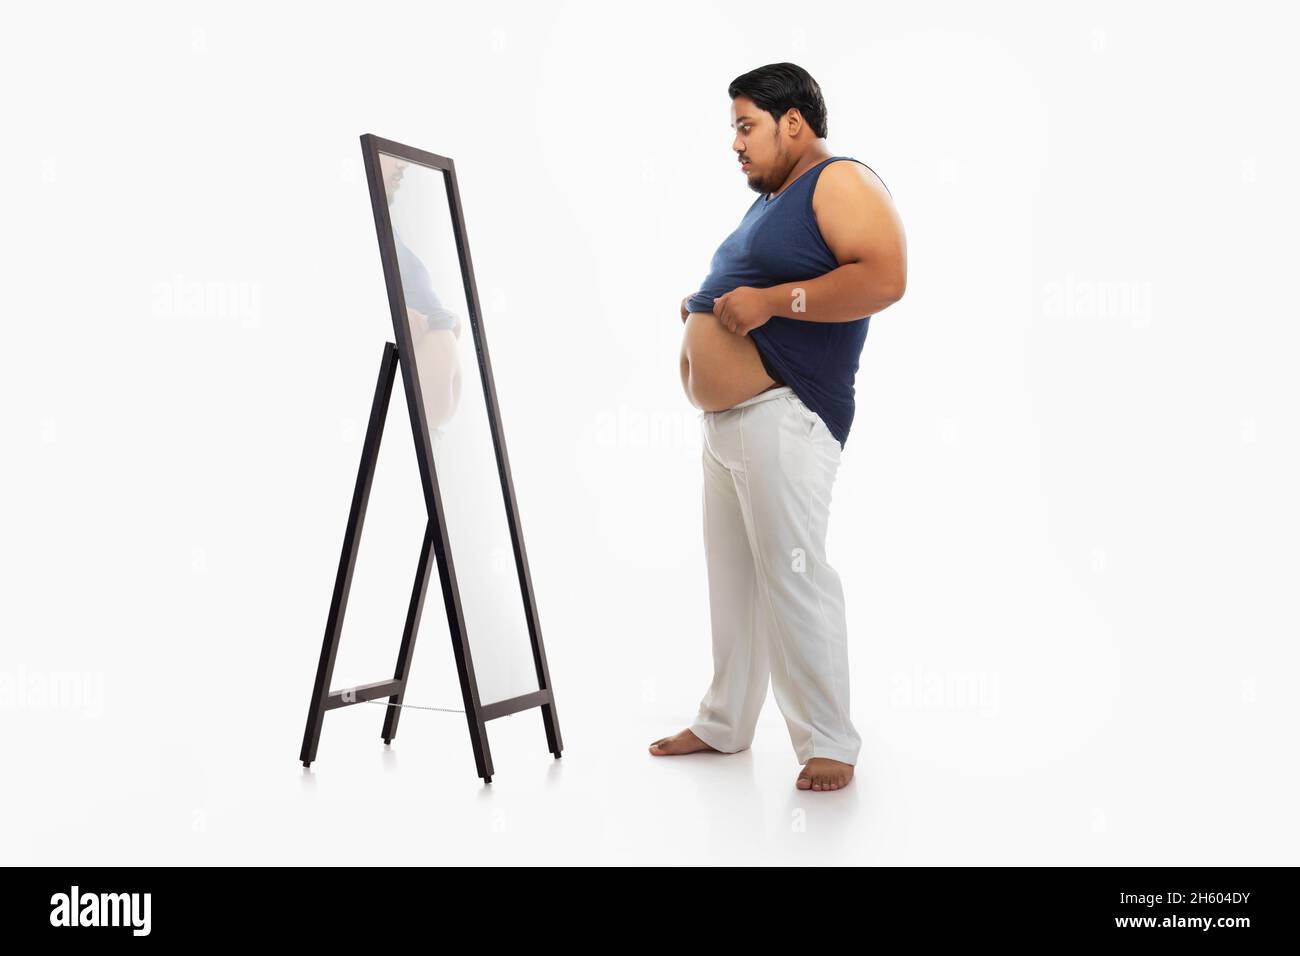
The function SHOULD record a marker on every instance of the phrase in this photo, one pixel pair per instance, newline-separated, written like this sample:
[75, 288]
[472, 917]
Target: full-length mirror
[441, 350]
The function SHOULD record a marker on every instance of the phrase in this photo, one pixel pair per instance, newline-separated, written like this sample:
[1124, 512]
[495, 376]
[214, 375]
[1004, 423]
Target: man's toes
[821, 778]
[667, 746]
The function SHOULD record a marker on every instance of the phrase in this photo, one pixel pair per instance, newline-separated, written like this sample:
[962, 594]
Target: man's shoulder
[845, 177]
[855, 211]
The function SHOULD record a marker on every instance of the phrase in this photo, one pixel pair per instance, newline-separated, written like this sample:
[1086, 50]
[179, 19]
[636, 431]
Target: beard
[762, 184]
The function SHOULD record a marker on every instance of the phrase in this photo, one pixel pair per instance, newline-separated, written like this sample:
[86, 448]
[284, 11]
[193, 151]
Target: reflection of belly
[719, 368]
[437, 361]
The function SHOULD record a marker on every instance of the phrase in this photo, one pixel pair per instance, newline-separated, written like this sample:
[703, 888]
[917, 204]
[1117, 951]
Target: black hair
[779, 86]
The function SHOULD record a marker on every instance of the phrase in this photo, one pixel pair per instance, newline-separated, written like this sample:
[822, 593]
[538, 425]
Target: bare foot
[823, 773]
[683, 743]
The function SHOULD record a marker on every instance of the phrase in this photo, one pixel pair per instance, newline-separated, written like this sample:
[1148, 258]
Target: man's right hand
[684, 312]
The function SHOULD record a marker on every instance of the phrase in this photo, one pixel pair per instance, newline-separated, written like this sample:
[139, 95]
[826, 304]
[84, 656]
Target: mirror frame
[476, 713]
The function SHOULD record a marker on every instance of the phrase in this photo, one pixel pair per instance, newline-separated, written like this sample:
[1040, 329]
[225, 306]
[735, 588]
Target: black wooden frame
[436, 543]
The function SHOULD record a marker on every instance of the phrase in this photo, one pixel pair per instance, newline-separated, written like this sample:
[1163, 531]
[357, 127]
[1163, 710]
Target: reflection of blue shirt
[417, 287]
[779, 241]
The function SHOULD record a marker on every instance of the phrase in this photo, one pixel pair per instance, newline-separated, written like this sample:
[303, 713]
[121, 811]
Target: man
[770, 354]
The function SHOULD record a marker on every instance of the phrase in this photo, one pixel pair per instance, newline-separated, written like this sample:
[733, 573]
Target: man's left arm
[862, 228]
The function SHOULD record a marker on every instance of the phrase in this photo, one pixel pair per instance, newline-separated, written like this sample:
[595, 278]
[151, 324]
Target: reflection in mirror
[453, 395]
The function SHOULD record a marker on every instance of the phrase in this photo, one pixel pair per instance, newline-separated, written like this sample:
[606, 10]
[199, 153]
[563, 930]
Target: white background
[1065, 518]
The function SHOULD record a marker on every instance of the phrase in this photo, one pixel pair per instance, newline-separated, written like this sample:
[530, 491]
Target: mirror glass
[453, 393]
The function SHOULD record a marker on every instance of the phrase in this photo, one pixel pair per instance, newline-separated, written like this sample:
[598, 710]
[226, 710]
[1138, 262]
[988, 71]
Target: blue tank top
[417, 287]
[778, 241]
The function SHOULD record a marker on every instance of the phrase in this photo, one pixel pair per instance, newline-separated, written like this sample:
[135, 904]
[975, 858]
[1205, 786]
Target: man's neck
[806, 162]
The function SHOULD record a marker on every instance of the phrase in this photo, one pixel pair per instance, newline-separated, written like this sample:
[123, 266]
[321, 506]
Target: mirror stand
[323, 699]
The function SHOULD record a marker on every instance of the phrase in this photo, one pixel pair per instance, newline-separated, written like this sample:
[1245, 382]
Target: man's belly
[437, 361]
[719, 368]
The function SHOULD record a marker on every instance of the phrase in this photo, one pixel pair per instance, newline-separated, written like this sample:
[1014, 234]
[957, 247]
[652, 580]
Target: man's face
[759, 142]
[392, 169]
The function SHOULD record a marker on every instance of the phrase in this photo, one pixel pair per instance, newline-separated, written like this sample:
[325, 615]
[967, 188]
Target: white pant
[777, 607]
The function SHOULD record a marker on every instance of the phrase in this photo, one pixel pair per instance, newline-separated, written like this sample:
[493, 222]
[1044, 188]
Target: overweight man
[770, 352]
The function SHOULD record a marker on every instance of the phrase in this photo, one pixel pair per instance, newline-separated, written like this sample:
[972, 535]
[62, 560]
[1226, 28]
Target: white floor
[105, 798]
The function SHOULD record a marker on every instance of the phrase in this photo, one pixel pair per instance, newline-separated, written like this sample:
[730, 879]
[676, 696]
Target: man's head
[778, 114]
[393, 169]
